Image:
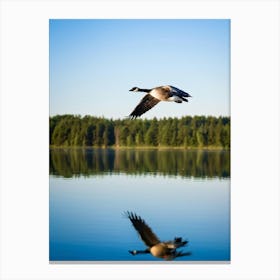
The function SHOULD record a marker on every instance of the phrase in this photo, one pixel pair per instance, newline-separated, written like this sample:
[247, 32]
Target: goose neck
[144, 90]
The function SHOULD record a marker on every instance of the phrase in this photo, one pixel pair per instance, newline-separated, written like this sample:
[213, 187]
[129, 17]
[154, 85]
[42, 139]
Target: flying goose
[155, 95]
[166, 250]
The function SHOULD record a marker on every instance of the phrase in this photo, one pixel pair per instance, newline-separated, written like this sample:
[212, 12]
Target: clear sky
[94, 63]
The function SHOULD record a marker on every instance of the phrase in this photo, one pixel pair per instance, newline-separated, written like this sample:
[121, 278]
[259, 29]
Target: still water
[178, 193]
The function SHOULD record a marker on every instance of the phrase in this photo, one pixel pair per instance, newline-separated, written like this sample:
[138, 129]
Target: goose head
[133, 252]
[135, 89]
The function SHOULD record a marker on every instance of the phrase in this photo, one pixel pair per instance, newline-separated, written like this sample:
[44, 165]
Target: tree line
[185, 132]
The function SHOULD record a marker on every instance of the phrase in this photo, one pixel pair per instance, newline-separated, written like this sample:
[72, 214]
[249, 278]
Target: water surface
[177, 192]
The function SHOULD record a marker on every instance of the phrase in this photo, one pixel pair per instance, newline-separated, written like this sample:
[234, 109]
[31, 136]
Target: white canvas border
[24, 137]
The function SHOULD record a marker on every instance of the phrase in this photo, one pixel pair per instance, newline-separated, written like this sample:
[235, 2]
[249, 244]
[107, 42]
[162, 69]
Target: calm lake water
[177, 192]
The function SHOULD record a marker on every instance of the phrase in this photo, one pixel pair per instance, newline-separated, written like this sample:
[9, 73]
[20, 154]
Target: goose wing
[179, 92]
[145, 232]
[146, 103]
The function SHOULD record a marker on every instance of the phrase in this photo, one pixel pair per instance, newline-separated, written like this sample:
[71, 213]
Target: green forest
[185, 132]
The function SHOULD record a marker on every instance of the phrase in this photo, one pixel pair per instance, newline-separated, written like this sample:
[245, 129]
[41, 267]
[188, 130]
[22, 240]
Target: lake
[179, 193]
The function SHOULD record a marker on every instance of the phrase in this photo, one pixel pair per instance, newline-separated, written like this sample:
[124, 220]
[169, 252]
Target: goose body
[155, 95]
[166, 250]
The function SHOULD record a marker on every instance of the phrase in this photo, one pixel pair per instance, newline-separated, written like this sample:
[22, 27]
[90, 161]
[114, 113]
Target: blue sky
[94, 63]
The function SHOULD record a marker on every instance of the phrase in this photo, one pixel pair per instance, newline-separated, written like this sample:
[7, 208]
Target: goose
[166, 250]
[155, 95]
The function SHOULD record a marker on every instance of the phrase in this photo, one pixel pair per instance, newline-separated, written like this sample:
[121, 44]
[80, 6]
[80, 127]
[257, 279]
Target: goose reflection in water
[161, 249]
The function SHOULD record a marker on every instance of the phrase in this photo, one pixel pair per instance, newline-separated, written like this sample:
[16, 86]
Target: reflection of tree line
[200, 163]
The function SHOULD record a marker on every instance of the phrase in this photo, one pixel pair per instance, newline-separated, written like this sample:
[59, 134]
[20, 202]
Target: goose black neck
[144, 90]
[142, 251]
